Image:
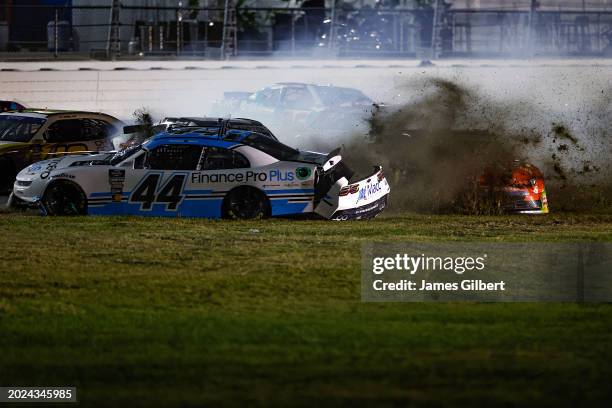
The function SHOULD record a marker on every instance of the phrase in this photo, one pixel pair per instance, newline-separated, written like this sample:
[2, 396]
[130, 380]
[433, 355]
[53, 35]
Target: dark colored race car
[28, 136]
[299, 108]
[519, 190]
[6, 106]
[140, 133]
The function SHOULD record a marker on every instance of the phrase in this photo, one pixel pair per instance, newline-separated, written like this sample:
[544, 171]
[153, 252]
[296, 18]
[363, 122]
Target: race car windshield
[124, 154]
[342, 96]
[270, 146]
[19, 128]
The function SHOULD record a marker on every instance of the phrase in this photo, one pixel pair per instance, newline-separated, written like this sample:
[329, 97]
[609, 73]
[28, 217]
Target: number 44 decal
[147, 192]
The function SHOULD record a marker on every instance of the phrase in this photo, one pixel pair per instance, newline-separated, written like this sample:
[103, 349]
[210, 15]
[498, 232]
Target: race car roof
[212, 126]
[197, 135]
[30, 114]
[210, 137]
[212, 122]
[45, 113]
[308, 84]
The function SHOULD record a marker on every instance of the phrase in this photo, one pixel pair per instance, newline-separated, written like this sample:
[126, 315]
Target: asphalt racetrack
[190, 87]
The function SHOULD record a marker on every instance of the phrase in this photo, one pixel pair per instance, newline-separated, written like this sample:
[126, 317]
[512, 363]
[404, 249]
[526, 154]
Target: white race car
[211, 168]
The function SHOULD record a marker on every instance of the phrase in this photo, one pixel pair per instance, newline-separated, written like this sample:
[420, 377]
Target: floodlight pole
[225, 23]
[179, 23]
[113, 46]
[532, 20]
[332, 22]
[55, 35]
[434, 29]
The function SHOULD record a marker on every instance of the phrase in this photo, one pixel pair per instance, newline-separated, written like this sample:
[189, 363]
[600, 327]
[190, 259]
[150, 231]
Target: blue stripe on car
[290, 191]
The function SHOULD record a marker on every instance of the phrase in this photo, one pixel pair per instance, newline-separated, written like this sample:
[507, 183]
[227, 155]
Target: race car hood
[59, 162]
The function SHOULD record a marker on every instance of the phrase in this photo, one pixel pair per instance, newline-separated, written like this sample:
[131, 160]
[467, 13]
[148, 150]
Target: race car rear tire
[7, 175]
[246, 203]
[64, 198]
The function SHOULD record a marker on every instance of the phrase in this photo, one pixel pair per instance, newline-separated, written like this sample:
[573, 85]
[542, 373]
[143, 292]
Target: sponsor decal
[64, 175]
[34, 168]
[116, 179]
[303, 173]
[243, 177]
[152, 190]
[368, 190]
[50, 167]
[346, 190]
[278, 175]
[249, 176]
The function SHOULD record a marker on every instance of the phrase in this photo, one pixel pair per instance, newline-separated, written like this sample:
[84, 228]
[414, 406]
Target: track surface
[189, 87]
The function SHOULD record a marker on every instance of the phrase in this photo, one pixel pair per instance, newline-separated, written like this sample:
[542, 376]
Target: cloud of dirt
[436, 147]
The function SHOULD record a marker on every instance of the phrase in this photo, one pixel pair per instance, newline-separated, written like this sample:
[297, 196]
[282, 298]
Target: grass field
[149, 312]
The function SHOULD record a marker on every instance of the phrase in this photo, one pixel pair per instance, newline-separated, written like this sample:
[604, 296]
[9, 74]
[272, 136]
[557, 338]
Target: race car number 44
[38, 394]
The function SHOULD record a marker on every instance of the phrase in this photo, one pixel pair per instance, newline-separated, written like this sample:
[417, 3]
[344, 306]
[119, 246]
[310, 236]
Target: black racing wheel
[7, 175]
[246, 203]
[64, 198]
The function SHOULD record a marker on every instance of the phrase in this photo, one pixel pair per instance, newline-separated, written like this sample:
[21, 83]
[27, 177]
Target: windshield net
[124, 154]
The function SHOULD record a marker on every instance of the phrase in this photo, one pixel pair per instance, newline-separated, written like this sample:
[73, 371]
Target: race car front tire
[246, 203]
[7, 175]
[64, 198]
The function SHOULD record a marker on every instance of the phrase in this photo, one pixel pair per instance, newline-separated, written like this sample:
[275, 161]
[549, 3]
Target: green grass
[145, 312]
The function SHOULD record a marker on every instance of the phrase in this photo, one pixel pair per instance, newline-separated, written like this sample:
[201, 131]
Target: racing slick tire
[64, 198]
[7, 175]
[246, 203]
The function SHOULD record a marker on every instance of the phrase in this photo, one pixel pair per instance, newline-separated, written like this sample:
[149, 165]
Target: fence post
[292, 32]
[224, 33]
[161, 36]
[150, 37]
[532, 21]
[178, 29]
[434, 30]
[234, 21]
[113, 46]
[55, 34]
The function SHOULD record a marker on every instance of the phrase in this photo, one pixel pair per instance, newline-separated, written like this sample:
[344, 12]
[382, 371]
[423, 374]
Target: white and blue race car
[231, 168]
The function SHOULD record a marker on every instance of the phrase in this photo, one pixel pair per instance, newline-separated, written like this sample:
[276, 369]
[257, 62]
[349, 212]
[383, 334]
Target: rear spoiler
[333, 153]
[332, 159]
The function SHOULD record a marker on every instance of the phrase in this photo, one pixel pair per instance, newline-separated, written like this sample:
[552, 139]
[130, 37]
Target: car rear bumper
[362, 199]
[361, 213]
